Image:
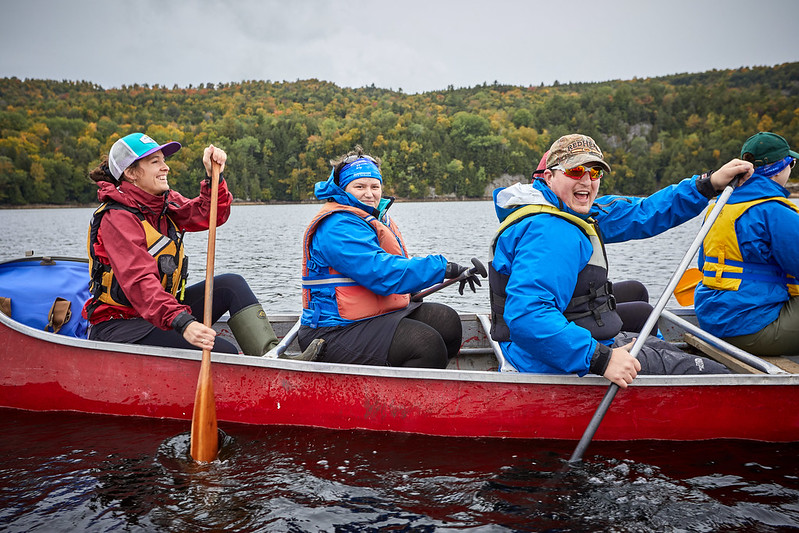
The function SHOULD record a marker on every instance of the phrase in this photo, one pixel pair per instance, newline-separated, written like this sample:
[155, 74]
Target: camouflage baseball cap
[573, 150]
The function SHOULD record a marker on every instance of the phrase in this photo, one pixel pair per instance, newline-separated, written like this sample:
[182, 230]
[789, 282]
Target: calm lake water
[72, 472]
[264, 244]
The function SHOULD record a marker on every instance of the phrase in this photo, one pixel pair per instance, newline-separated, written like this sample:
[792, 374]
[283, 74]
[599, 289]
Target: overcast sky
[415, 45]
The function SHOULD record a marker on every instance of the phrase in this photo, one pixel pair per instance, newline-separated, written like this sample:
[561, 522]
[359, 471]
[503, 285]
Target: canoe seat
[785, 363]
[737, 366]
[47, 293]
[504, 365]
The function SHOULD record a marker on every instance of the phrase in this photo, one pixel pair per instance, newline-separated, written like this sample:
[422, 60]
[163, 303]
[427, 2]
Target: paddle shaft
[438, 286]
[478, 268]
[593, 425]
[204, 439]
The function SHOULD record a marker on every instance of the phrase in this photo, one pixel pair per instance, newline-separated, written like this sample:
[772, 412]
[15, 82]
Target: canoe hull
[45, 372]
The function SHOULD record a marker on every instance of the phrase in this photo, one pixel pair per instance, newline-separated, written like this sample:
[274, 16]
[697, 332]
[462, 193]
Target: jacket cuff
[600, 359]
[207, 179]
[181, 321]
[705, 187]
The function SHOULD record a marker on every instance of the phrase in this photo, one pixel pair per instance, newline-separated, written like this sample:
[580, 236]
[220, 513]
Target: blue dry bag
[38, 286]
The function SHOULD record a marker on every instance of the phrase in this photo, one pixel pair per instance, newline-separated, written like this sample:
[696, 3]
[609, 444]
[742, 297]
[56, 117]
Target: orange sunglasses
[577, 172]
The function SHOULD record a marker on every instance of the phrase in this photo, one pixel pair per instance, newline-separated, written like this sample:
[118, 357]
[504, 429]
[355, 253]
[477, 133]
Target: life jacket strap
[60, 313]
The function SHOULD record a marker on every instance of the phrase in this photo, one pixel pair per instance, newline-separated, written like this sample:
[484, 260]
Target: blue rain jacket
[767, 233]
[543, 255]
[348, 244]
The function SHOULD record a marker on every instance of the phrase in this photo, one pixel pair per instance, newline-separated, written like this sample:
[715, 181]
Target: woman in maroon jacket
[138, 268]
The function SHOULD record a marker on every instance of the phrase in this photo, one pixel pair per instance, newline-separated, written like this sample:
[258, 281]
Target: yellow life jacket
[167, 251]
[724, 267]
[598, 255]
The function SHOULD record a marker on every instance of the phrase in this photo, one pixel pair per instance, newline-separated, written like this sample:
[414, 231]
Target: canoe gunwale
[396, 373]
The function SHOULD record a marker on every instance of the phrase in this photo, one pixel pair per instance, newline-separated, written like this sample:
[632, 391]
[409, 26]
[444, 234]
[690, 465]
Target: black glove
[471, 280]
[453, 270]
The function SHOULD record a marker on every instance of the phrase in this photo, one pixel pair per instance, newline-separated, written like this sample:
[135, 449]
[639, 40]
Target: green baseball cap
[765, 148]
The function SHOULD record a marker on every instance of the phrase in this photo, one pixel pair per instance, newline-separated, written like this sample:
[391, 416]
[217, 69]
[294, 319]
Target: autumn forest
[455, 143]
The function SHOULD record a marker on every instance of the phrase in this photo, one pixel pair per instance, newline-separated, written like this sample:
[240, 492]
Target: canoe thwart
[284, 343]
[504, 365]
[733, 351]
[739, 367]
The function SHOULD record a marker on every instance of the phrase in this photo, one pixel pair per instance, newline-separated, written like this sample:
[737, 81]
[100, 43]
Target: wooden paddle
[204, 438]
[604, 405]
[684, 292]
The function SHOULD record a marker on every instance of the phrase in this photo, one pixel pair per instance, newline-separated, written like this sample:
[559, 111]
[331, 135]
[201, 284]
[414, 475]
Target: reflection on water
[97, 473]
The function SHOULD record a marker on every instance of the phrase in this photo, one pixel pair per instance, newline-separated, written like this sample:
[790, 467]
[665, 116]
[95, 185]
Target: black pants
[658, 357]
[632, 305]
[427, 338]
[231, 293]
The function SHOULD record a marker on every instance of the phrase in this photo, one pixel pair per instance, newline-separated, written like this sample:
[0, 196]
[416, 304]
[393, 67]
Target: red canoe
[43, 371]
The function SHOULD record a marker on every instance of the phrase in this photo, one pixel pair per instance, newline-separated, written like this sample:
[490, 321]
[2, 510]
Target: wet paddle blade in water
[204, 437]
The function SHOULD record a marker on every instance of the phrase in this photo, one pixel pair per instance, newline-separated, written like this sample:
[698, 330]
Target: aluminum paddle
[478, 268]
[593, 425]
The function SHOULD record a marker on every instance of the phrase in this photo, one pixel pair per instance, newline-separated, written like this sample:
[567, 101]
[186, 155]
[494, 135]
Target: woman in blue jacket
[749, 295]
[553, 310]
[357, 278]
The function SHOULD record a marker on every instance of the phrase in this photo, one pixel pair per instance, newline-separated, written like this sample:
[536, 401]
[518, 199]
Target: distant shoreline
[242, 202]
[793, 195]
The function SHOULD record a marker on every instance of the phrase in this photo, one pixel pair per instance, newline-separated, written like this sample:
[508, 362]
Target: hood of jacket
[508, 199]
[758, 186]
[330, 190]
[129, 195]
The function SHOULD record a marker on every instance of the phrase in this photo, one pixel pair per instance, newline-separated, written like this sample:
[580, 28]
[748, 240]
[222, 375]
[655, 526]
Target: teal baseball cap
[133, 147]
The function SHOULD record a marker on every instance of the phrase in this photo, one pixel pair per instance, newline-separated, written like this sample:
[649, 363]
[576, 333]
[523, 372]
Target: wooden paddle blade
[204, 441]
[204, 436]
[684, 291]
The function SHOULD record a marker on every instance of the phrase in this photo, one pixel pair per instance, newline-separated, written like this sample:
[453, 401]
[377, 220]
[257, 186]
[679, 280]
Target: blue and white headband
[360, 168]
[774, 168]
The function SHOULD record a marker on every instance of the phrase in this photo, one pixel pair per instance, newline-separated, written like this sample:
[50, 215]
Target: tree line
[456, 142]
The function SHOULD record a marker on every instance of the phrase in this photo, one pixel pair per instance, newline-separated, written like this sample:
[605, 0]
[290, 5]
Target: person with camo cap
[553, 308]
[632, 297]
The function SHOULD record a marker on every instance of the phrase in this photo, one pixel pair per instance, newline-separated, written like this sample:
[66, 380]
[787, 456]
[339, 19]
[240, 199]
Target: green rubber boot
[253, 331]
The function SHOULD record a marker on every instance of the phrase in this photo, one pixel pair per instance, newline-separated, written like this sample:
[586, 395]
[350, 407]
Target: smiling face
[577, 194]
[366, 190]
[150, 174]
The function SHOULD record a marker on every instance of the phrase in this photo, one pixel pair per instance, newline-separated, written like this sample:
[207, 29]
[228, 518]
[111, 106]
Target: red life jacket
[354, 301]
